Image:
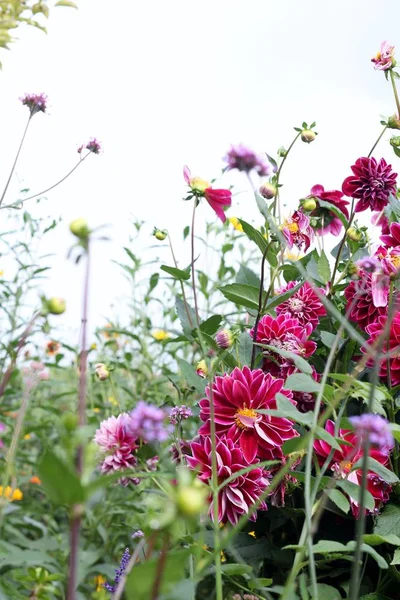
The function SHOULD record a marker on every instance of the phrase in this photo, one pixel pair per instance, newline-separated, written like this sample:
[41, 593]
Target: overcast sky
[163, 84]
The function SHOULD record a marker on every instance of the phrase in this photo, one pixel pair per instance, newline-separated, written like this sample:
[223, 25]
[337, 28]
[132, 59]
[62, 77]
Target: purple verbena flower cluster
[243, 158]
[93, 145]
[374, 427]
[147, 421]
[179, 413]
[35, 102]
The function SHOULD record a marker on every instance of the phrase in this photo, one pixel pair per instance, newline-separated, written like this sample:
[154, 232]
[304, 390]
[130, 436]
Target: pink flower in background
[389, 259]
[359, 294]
[371, 182]
[243, 158]
[116, 439]
[147, 422]
[238, 496]
[328, 222]
[35, 102]
[286, 333]
[392, 238]
[179, 413]
[303, 305]
[344, 459]
[297, 231]
[237, 398]
[380, 220]
[384, 59]
[218, 199]
[391, 345]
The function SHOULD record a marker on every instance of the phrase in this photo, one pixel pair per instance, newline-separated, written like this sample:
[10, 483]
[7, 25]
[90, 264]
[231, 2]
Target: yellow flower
[112, 401]
[93, 347]
[252, 533]
[27, 436]
[198, 184]
[11, 494]
[99, 581]
[96, 410]
[236, 224]
[160, 335]
[107, 334]
[291, 256]
[1, 272]
[201, 369]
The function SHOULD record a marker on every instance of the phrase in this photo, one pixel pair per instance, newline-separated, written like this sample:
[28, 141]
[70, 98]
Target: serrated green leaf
[254, 235]
[247, 276]
[280, 298]
[60, 482]
[210, 326]
[378, 468]
[353, 491]
[180, 274]
[374, 539]
[324, 269]
[396, 557]
[189, 373]
[242, 294]
[299, 361]
[245, 348]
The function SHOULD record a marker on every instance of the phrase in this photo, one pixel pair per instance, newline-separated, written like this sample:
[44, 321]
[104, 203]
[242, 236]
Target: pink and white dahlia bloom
[116, 439]
[303, 305]
[360, 294]
[237, 398]
[384, 59]
[297, 231]
[236, 498]
[328, 222]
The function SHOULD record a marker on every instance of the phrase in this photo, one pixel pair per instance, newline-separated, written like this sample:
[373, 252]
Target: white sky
[162, 84]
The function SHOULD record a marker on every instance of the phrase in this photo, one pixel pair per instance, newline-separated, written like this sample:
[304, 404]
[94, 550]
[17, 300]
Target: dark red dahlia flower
[236, 498]
[392, 345]
[344, 459]
[359, 294]
[304, 305]
[237, 398]
[329, 222]
[372, 183]
[393, 237]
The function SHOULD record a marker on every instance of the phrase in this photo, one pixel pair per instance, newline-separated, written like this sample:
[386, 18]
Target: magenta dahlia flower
[116, 439]
[297, 231]
[237, 398]
[305, 401]
[328, 221]
[391, 345]
[393, 237]
[287, 333]
[236, 498]
[344, 459]
[371, 182]
[303, 305]
[359, 295]
[243, 158]
[384, 59]
[218, 199]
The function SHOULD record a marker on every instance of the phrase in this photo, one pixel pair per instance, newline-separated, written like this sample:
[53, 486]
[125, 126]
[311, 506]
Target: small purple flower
[93, 145]
[376, 428]
[147, 422]
[137, 534]
[35, 102]
[370, 264]
[179, 413]
[152, 463]
[119, 572]
[243, 158]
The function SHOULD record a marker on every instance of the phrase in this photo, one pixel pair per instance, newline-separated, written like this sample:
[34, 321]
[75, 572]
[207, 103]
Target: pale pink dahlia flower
[116, 439]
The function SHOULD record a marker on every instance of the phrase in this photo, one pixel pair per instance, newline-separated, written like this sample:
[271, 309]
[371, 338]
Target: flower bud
[354, 234]
[56, 306]
[308, 136]
[102, 373]
[160, 234]
[70, 421]
[309, 204]
[191, 501]
[201, 369]
[79, 228]
[282, 152]
[393, 122]
[224, 338]
[268, 190]
[395, 141]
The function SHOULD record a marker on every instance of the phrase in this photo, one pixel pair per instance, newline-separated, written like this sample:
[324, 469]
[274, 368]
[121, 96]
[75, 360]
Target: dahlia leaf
[254, 235]
[375, 540]
[388, 522]
[246, 275]
[192, 379]
[66, 3]
[287, 410]
[323, 434]
[329, 547]
[179, 274]
[59, 480]
[245, 348]
[279, 299]
[378, 468]
[295, 444]
[334, 209]
[324, 269]
[242, 294]
[396, 557]
[300, 382]
[236, 569]
[353, 490]
[339, 499]
[381, 562]
[181, 310]
[327, 592]
[210, 325]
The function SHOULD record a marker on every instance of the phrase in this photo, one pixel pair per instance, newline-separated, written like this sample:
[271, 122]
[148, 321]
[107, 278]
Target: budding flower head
[192, 500]
[282, 152]
[393, 122]
[308, 136]
[354, 234]
[268, 190]
[160, 234]
[55, 306]
[93, 145]
[224, 338]
[80, 228]
[309, 204]
[201, 369]
[102, 373]
[395, 141]
[35, 102]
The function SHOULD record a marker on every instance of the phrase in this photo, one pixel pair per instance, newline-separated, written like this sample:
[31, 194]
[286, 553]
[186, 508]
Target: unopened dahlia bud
[282, 152]
[308, 136]
[79, 228]
[70, 421]
[309, 204]
[224, 338]
[56, 306]
[102, 373]
[395, 141]
[201, 369]
[393, 122]
[354, 234]
[268, 190]
[160, 234]
[192, 500]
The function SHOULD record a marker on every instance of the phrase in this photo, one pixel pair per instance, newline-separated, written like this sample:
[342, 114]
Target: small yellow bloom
[107, 334]
[112, 400]
[27, 436]
[236, 223]
[1, 273]
[201, 369]
[160, 335]
[99, 581]
[252, 533]
[96, 410]
[11, 494]
[223, 557]
[93, 347]
[292, 256]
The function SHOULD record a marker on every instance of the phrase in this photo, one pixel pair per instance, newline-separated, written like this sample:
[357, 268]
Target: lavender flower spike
[119, 572]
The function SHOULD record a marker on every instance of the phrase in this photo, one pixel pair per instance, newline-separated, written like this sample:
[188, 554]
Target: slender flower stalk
[15, 160]
[377, 141]
[185, 302]
[260, 304]
[278, 175]
[396, 95]
[196, 309]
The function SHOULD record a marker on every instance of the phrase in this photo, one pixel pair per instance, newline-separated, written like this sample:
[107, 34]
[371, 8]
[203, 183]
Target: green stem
[196, 310]
[396, 95]
[278, 174]
[15, 161]
[342, 243]
[377, 141]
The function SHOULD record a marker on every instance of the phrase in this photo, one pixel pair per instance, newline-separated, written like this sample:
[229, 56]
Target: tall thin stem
[15, 160]
[185, 303]
[214, 484]
[192, 265]
[396, 95]
[260, 305]
[377, 141]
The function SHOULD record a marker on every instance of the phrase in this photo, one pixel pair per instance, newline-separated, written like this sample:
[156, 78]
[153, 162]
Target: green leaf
[245, 348]
[140, 581]
[329, 547]
[295, 444]
[323, 434]
[299, 361]
[335, 210]
[388, 522]
[182, 315]
[353, 490]
[327, 338]
[242, 294]
[324, 269]
[246, 275]
[339, 499]
[326, 592]
[381, 562]
[254, 235]
[236, 569]
[60, 482]
[376, 467]
[375, 540]
[181, 275]
[211, 325]
[66, 3]
[286, 409]
[300, 382]
[280, 298]
[189, 373]
[396, 557]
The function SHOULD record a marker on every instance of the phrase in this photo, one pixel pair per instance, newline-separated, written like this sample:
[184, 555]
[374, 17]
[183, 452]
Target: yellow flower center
[248, 413]
[293, 227]
[346, 466]
[198, 184]
[396, 261]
